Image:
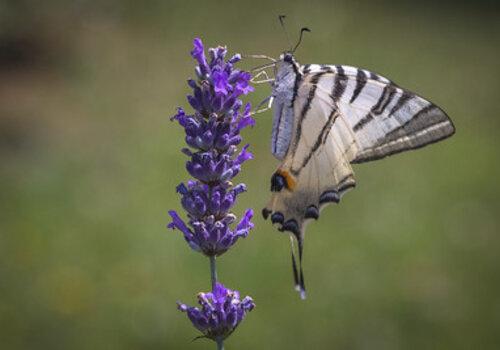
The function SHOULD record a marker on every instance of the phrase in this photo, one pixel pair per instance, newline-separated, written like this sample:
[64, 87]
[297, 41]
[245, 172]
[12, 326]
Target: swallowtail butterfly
[327, 117]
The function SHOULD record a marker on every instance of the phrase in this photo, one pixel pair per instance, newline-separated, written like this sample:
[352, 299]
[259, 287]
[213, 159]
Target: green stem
[213, 271]
[213, 278]
[220, 344]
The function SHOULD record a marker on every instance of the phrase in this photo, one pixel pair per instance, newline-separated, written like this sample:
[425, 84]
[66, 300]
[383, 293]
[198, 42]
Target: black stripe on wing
[339, 84]
[379, 107]
[306, 108]
[403, 99]
[360, 84]
[320, 140]
[429, 125]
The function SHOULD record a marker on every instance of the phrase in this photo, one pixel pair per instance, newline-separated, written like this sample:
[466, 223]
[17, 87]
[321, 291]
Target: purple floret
[220, 313]
[213, 135]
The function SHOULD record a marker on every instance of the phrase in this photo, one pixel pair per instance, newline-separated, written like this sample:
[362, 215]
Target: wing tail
[302, 285]
[298, 274]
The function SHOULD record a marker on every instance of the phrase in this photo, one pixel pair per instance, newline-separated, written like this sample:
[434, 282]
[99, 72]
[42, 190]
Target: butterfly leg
[268, 100]
[266, 79]
[264, 66]
[258, 75]
[260, 57]
[258, 68]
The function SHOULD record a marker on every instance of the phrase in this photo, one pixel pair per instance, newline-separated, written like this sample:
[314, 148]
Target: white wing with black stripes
[384, 118]
[327, 117]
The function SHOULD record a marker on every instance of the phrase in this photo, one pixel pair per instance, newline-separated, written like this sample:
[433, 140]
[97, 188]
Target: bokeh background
[90, 161]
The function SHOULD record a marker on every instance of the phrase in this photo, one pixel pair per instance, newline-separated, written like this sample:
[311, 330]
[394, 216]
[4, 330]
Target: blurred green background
[90, 161]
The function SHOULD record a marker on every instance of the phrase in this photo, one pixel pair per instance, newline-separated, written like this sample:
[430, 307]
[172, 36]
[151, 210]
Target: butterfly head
[287, 60]
[287, 57]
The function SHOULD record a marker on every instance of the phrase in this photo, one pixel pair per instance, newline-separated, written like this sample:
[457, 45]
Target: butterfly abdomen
[284, 92]
[282, 127]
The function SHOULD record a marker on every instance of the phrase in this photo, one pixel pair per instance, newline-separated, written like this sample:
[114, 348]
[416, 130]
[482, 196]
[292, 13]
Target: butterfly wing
[384, 118]
[315, 170]
[344, 115]
[316, 166]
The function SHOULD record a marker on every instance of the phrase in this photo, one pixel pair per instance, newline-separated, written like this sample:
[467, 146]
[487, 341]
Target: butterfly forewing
[384, 118]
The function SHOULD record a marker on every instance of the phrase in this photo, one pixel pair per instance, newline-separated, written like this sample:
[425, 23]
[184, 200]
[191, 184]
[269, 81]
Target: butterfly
[326, 118]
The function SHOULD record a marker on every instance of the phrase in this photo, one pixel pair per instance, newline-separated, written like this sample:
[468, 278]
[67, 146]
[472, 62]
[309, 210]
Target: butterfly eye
[288, 58]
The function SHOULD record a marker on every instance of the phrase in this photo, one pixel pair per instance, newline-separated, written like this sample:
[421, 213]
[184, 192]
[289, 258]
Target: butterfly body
[327, 117]
[283, 95]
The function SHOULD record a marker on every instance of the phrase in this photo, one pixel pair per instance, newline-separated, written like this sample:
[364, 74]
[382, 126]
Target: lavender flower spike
[221, 312]
[213, 134]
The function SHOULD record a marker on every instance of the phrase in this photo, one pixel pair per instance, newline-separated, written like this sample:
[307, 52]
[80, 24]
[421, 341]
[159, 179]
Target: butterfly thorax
[284, 91]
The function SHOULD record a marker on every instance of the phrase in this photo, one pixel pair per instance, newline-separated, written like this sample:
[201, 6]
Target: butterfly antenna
[305, 29]
[282, 21]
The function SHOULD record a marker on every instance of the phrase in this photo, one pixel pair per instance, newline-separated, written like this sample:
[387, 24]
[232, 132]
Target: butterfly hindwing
[314, 172]
[316, 168]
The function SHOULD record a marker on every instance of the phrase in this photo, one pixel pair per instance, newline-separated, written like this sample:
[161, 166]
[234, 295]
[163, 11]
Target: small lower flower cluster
[213, 135]
[221, 311]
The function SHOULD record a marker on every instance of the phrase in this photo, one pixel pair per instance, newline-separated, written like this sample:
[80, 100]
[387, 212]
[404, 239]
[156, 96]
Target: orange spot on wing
[290, 181]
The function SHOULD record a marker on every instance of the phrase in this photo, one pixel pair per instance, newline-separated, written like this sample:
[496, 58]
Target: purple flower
[213, 135]
[212, 236]
[221, 83]
[220, 313]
